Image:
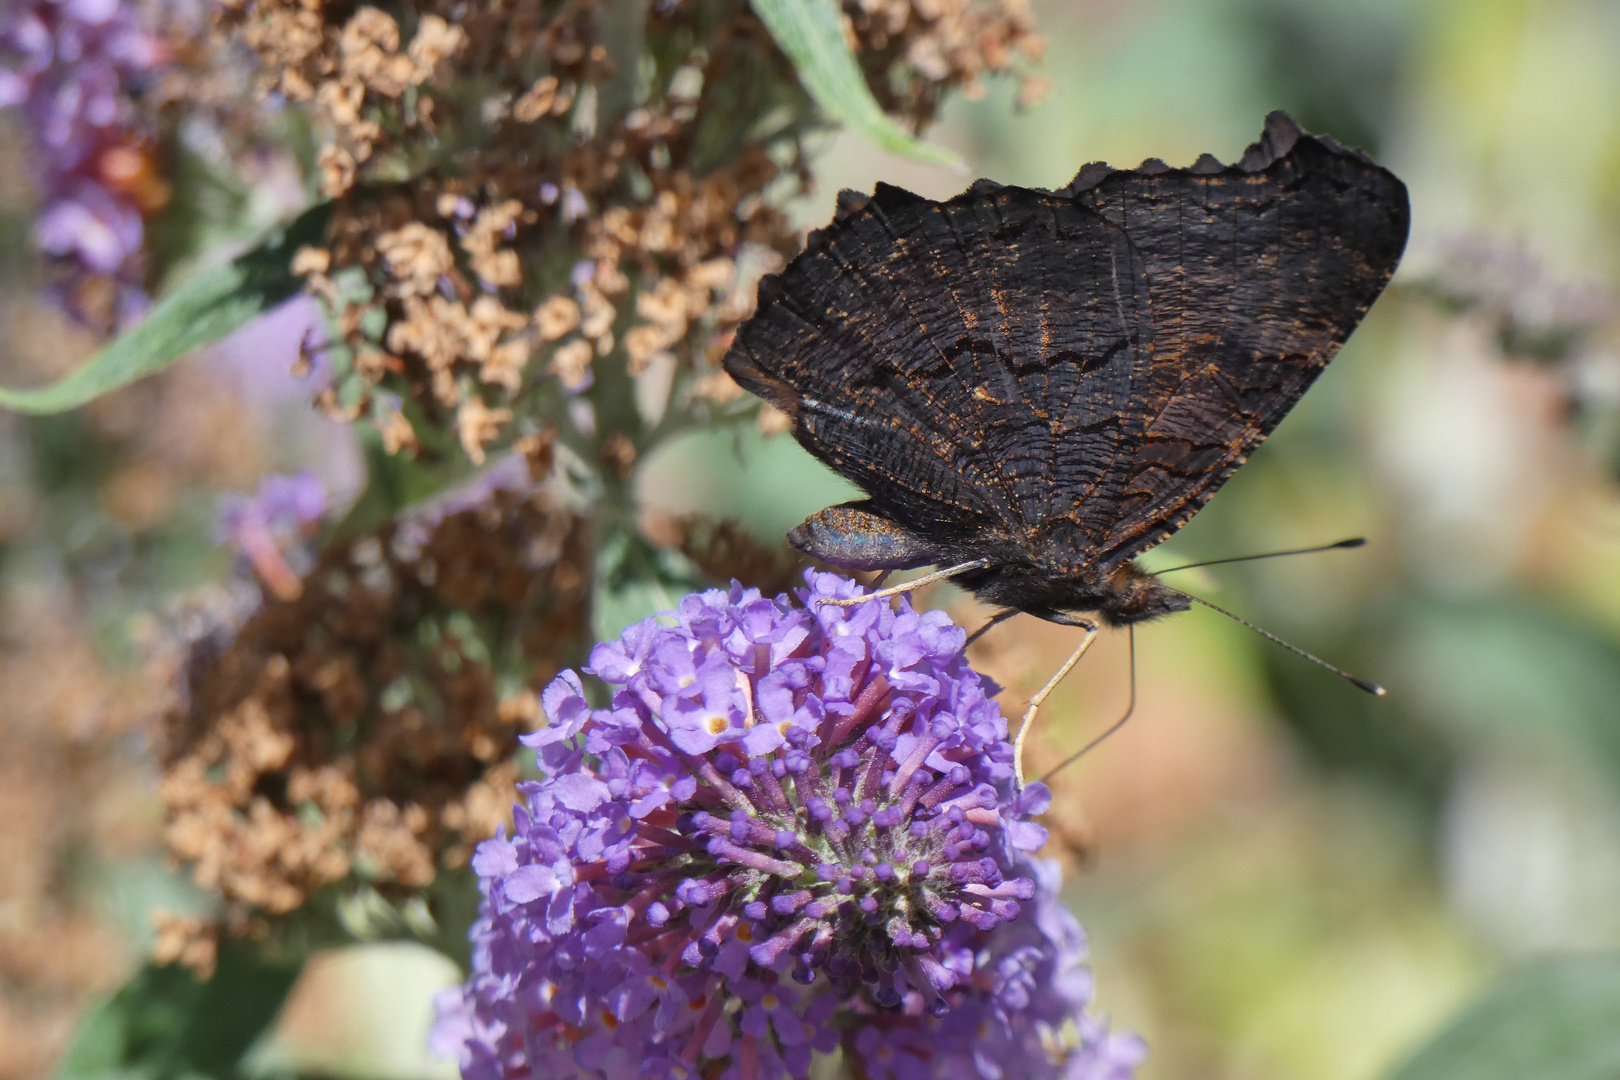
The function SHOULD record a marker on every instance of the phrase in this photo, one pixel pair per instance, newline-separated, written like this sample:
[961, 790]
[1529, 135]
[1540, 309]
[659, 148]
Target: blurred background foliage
[1281, 877]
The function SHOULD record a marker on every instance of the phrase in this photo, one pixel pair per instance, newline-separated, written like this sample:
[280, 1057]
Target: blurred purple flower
[266, 525]
[793, 831]
[91, 226]
[284, 505]
[1106, 1055]
[73, 65]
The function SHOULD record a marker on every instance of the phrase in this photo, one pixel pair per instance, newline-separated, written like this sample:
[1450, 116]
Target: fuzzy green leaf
[201, 310]
[811, 33]
[165, 1024]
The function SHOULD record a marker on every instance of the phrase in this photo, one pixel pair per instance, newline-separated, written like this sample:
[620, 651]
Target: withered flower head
[523, 198]
[361, 729]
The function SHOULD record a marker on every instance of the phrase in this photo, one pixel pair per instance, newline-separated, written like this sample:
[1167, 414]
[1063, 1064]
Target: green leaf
[635, 580]
[811, 33]
[163, 1023]
[1557, 1019]
[202, 309]
[376, 1013]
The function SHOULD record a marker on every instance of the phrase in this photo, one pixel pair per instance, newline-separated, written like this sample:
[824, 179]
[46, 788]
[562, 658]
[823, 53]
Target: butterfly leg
[908, 586]
[995, 620]
[1115, 726]
[1051, 684]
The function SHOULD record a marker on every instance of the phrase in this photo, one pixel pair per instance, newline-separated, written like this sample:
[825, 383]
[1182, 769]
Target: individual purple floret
[793, 831]
[72, 67]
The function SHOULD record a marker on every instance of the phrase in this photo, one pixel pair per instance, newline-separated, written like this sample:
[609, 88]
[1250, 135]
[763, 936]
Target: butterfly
[1035, 387]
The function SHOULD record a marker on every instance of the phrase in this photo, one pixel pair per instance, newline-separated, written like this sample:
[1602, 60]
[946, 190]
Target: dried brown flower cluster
[917, 50]
[526, 190]
[364, 731]
[724, 551]
[476, 162]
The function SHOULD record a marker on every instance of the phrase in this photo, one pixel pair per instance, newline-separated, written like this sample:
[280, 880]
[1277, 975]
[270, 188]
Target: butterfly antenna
[1360, 683]
[1042, 694]
[1353, 542]
[1115, 726]
[908, 586]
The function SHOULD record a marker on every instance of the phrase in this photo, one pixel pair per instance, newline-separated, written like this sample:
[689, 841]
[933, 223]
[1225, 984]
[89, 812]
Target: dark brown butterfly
[1035, 387]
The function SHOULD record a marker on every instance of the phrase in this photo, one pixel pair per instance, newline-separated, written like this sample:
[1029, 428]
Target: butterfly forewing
[1256, 278]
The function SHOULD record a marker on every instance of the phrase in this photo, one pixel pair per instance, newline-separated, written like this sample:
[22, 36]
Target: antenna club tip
[1371, 687]
[1353, 542]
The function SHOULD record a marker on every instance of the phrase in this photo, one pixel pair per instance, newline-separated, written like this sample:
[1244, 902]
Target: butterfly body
[1126, 594]
[1040, 581]
[1051, 383]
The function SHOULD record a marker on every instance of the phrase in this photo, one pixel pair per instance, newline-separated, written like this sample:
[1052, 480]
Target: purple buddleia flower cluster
[71, 68]
[793, 831]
